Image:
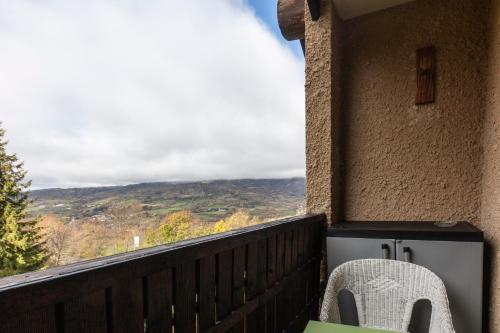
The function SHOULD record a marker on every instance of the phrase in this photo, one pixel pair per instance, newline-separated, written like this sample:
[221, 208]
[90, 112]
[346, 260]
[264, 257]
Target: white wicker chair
[385, 292]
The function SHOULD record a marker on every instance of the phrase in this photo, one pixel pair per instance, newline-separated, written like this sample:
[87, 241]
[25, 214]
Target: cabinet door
[460, 266]
[342, 249]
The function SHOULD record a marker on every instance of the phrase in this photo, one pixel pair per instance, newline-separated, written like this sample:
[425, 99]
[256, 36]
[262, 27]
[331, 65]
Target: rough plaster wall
[404, 162]
[323, 65]
[490, 204]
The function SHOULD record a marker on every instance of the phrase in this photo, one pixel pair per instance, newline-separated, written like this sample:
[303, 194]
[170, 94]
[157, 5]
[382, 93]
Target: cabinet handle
[385, 251]
[407, 254]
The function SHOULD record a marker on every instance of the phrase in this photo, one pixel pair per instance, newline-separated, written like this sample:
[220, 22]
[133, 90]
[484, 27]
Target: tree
[238, 220]
[56, 234]
[174, 227]
[21, 245]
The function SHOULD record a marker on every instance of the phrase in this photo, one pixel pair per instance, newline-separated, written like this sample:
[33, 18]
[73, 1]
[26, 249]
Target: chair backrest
[385, 292]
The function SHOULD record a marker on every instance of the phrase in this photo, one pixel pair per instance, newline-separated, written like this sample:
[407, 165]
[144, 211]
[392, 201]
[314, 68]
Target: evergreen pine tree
[21, 246]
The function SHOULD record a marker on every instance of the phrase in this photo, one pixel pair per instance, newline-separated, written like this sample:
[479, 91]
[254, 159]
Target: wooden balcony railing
[262, 278]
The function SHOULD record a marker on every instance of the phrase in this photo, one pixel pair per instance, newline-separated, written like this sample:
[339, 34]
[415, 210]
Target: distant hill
[210, 200]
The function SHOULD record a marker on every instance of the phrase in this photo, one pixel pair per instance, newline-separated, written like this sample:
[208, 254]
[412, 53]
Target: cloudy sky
[107, 92]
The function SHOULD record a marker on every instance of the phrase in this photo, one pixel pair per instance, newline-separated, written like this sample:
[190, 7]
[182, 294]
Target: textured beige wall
[490, 201]
[323, 64]
[404, 162]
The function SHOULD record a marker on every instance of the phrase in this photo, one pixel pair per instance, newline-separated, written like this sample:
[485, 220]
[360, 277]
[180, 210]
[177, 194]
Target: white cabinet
[455, 254]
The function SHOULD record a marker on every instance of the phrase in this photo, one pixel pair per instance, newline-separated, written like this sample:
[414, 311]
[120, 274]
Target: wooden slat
[271, 281]
[302, 280]
[295, 248]
[319, 234]
[206, 292]
[39, 321]
[315, 275]
[86, 313]
[256, 283]
[309, 253]
[280, 256]
[251, 271]
[271, 261]
[185, 298]
[224, 284]
[295, 286]
[239, 254]
[311, 283]
[288, 251]
[159, 302]
[280, 272]
[300, 245]
[307, 243]
[261, 283]
[288, 311]
[127, 307]
[251, 284]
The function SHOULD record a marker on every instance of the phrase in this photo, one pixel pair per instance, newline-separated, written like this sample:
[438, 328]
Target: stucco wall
[490, 201]
[404, 162]
[372, 154]
[323, 66]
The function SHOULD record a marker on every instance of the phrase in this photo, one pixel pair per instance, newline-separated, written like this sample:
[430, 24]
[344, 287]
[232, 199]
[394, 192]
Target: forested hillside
[210, 200]
[84, 223]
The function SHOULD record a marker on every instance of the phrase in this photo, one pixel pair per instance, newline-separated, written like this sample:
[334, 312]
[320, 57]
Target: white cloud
[120, 91]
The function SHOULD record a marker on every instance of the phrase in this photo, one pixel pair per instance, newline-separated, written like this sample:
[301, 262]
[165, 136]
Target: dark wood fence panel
[206, 292]
[224, 284]
[185, 298]
[263, 278]
[271, 281]
[158, 311]
[38, 320]
[127, 306]
[251, 284]
[239, 284]
[86, 313]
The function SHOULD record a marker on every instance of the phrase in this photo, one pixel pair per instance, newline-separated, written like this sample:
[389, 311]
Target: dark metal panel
[460, 266]
[461, 231]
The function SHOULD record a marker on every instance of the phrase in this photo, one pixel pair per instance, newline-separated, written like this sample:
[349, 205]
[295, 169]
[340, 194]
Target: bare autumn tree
[57, 237]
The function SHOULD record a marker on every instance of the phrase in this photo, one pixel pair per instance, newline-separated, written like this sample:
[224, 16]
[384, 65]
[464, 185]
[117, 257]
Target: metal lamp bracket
[314, 9]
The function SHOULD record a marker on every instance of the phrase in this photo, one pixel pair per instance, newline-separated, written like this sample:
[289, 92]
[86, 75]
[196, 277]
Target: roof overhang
[348, 9]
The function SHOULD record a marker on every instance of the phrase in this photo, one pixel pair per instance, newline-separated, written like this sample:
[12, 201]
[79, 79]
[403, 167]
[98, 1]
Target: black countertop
[460, 231]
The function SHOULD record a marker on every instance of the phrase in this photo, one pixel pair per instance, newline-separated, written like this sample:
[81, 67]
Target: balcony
[263, 278]
[402, 114]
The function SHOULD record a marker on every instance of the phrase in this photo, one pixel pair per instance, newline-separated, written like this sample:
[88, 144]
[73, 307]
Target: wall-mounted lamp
[314, 9]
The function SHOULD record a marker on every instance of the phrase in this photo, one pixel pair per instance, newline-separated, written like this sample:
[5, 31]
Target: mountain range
[208, 200]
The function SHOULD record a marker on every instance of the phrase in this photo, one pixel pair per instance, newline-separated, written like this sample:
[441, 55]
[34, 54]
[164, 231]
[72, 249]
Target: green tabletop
[319, 327]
